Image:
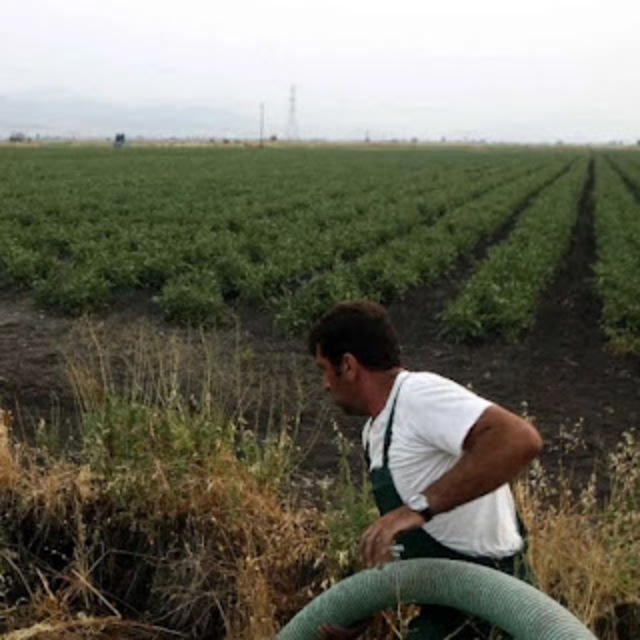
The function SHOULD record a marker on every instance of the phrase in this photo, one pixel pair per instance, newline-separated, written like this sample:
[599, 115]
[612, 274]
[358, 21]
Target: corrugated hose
[514, 606]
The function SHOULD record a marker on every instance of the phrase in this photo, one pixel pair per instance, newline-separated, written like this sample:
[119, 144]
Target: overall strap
[389, 430]
[387, 434]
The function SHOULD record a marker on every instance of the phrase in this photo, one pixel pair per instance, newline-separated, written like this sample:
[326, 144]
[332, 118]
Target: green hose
[512, 605]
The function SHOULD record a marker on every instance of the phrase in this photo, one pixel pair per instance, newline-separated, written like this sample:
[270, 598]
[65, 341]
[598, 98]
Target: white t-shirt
[432, 418]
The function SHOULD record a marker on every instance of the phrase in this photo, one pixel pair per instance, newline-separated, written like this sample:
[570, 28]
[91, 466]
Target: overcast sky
[497, 69]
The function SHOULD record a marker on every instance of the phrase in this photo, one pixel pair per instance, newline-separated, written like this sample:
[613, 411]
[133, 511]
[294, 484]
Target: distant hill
[66, 115]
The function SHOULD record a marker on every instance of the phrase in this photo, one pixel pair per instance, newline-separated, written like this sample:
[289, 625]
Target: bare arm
[497, 447]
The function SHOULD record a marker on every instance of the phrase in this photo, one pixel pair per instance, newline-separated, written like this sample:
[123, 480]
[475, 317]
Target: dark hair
[360, 327]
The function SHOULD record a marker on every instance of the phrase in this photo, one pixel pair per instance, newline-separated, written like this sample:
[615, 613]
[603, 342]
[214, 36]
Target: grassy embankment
[171, 517]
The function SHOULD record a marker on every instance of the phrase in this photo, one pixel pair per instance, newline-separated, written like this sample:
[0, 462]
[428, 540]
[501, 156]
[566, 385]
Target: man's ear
[349, 365]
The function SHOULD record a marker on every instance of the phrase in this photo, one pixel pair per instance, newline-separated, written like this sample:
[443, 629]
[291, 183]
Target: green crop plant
[617, 224]
[501, 296]
[386, 272]
[192, 298]
[78, 225]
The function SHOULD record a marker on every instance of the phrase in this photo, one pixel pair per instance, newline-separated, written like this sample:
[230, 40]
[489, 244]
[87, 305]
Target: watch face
[417, 502]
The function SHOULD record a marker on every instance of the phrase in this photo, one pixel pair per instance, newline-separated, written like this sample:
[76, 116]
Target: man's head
[349, 340]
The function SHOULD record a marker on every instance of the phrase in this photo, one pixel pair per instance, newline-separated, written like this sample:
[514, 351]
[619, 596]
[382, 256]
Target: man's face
[340, 382]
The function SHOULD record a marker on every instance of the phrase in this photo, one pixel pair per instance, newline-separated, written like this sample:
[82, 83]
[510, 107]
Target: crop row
[629, 162]
[202, 228]
[501, 297]
[296, 256]
[628, 170]
[403, 262]
[617, 226]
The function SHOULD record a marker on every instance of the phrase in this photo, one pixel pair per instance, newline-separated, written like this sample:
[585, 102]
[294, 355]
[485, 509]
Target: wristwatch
[420, 504]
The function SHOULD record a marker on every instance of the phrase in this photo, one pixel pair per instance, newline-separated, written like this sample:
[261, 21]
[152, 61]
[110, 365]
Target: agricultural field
[159, 297]
[498, 264]
[291, 231]
[202, 235]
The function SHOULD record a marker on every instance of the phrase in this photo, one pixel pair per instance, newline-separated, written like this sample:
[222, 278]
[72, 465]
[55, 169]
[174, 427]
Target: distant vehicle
[17, 137]
[119, 141]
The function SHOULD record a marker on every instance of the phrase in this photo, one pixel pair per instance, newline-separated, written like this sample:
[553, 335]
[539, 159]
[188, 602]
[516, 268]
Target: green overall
[435, 622]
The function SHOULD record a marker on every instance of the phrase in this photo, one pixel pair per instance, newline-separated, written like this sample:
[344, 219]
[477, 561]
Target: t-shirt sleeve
[442, 411]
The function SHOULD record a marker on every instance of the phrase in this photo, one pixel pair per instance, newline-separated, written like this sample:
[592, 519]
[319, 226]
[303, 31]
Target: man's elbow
[530, 442]
[503, 431]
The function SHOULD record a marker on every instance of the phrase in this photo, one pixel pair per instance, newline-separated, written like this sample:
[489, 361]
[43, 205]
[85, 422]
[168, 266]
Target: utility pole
[262, 124]
[292, 125]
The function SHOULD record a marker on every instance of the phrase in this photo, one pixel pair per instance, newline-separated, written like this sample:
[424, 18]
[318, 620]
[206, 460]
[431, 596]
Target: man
[440, 457]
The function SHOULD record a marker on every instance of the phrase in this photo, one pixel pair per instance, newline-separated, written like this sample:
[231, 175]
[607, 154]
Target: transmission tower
[292, 124]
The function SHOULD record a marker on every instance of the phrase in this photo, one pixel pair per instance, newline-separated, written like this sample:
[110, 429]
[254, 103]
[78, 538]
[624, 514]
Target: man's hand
[375, 546]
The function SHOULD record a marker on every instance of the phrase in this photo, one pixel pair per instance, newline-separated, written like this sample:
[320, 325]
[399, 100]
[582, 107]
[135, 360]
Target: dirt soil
[560, 372]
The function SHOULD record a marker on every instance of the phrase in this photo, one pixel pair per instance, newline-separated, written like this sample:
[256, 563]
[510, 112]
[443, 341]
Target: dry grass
[585, 551]
[9, 470]
[173, 510]
[208, 550]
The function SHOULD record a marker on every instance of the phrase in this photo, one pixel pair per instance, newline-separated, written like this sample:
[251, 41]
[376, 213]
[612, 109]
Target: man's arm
[496, 448]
